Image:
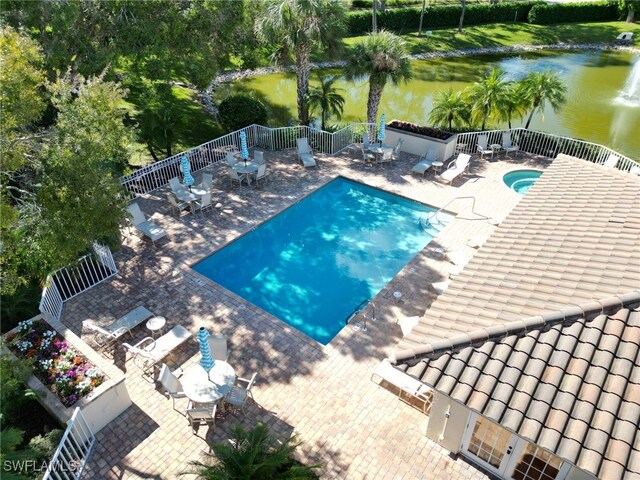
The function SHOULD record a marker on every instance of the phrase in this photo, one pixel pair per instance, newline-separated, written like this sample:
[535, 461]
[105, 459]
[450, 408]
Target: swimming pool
[316, 262]
[520, 181]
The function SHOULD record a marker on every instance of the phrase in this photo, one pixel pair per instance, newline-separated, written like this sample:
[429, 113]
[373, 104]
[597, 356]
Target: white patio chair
[483, 147]
[258, 157]
[207, 182]
[202, 414]
[425, 162]
[507, 146]
[459, 166]
[148, 352]
[368, 157]
[397, 153]
[179, 207]
[238, 395]
[305, 154]
[175, 184]
[365, 141]
[170, 383]
[261, 174]
[145, 226]
[234, 177]
[611, 161]
[204, 203]
[218, 347]
[231, 159]
[386, 157]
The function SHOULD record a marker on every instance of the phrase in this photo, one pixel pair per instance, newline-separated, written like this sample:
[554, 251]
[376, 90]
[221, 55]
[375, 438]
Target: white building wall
[418, 144]
[447, 422]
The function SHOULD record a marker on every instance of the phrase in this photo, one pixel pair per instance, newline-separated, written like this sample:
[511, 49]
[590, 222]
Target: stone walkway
[324, 394]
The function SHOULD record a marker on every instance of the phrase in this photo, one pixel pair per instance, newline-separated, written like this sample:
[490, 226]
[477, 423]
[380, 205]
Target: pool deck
[324, 394]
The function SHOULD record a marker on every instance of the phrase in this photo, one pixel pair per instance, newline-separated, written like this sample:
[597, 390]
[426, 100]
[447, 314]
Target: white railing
[157, 174]
[547, 145]
[73, 451]
[67, 282]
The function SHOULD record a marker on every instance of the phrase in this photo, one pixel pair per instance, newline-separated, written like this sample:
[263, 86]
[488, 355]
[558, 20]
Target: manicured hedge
[407, 19]
[544, 14]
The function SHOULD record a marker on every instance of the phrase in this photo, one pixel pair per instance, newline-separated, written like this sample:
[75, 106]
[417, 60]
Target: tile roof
[568, 381]
[573, 238]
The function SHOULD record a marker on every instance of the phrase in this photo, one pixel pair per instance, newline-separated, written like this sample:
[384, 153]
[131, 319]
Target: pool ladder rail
[361, 326]
[430, 222]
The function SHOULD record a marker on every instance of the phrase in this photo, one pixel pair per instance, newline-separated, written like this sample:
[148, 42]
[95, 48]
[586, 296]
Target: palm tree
[540, 88]
[450, 108]
[297, 27]
[515, 104]
[325, 97]
[252, 455]
[381, 57]
[488, 96]
[464, 8]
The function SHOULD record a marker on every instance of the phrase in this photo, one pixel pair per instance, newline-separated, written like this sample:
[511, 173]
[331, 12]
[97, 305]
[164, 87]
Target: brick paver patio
[324, 394]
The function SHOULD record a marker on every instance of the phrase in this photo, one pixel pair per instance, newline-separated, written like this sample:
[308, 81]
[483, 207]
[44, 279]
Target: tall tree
[450, 109]
[515, 104]
[381, 58]
[424, 5]
[326, 98]
[540, 88]
[464, 9]
[374, 16]
[253, 455]
[298, 27]
[488, 96]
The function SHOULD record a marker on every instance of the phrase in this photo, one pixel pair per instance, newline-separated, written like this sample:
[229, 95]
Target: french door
[508, 455]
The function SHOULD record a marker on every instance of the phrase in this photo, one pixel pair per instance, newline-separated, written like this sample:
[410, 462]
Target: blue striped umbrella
[186, 171]
[206, 361]
[244, 151]
[381, 132]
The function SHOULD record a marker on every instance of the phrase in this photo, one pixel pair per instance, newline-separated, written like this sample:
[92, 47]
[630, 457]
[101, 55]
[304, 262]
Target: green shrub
[44, 446]
[544, 14]
[238, 111]
[407, 19]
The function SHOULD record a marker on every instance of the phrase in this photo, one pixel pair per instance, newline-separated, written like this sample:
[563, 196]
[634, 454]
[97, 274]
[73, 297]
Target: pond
[603, 99]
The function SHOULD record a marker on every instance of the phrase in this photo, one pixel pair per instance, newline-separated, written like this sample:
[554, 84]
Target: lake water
[593, 111]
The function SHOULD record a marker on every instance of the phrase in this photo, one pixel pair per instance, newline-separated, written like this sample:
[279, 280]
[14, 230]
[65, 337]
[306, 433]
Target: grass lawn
[496, 35]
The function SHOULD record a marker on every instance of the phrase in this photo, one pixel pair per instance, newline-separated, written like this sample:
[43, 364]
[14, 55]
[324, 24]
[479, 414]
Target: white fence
[69, 281]
[72, 453]
[157, 175]
[547, 145]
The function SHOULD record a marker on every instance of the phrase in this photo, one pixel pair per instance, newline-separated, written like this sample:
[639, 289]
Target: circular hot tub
[521, 180]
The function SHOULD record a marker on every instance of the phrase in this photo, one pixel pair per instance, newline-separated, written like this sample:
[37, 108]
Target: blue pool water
[314, 263]
[521, 181]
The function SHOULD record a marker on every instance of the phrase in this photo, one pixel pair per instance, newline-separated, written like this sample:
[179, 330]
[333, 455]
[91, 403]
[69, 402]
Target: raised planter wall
[418, 144]
[103, 404]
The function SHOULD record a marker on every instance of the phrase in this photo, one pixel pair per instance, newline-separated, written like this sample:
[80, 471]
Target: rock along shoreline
[233, 75]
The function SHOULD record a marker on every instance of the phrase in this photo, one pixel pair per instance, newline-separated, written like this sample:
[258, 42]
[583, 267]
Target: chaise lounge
[460, 164]
[103, 336]
[148, 352]
[148, 228]
[305, 154]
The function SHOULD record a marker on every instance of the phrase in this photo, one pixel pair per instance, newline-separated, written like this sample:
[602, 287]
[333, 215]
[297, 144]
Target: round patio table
[202, 387]
[241, 168]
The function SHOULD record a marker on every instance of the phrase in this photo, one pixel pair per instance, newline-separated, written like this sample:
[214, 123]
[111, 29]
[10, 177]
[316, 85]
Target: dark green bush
[544, 14]
[407, 19]
[238, 111]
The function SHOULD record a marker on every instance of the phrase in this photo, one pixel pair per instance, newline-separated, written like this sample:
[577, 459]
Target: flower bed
[420, 130]
[64, 371]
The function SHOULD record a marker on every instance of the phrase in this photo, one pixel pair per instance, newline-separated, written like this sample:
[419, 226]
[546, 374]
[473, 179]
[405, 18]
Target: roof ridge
[589, 311]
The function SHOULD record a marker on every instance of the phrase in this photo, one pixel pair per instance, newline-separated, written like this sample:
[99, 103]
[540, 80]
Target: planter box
[103, 404]
[418, 144]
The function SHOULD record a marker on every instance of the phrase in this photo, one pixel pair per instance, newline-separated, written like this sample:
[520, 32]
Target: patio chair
[365, 141]
[397, 153]
[218, 347]
[204, 203]
[234, 177]
[171, 385]
[261, 174]
[175, 184]
[179, 207]
[425, 162]
[305, 154]
[611, 161]
[238, 395]
[145, 226]
[148, 352]
[231, 159]
[368, 157]
[460, 164]
[203, 414]
[483, 146]
[207, 182]
[507, 146]
[258, 157]
[105, 335]
[386, 157]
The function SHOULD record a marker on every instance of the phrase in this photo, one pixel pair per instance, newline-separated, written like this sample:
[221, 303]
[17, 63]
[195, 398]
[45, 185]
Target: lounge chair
[305, 154]
[171, 384]
[459, 166]
[148, 228]
[238, 395]
[218, 347]
[507, 146]
[611, 161]
[483, 147]
[148, 352]
[425, 162]
[105, 335]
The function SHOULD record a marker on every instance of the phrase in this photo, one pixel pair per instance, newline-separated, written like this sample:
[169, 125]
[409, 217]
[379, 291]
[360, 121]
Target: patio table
[495, 147]
[185, 195]
[202, 387]
[246, 170]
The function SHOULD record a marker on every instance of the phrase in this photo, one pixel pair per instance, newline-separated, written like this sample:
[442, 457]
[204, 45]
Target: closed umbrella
[381, 132]
[207, 360]
[244, 151]
[186, 171]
